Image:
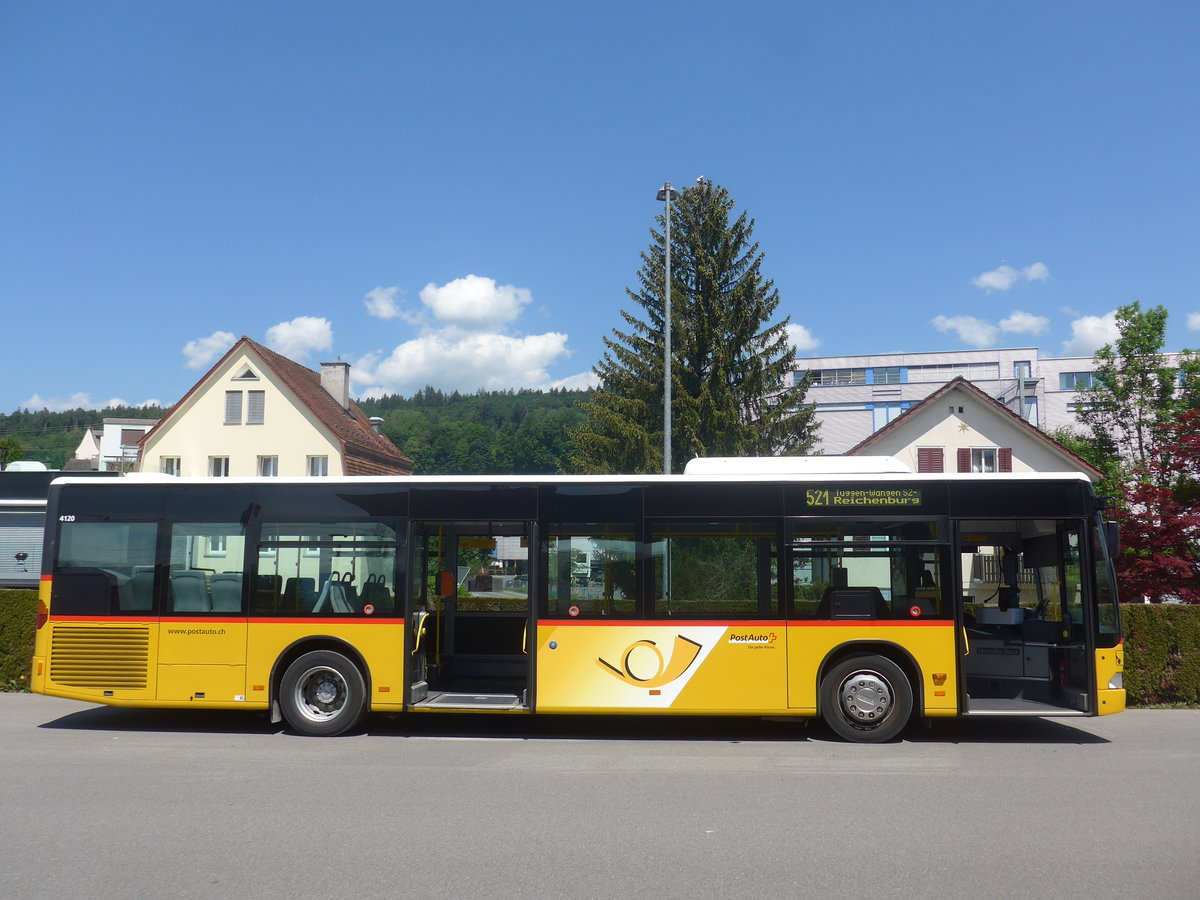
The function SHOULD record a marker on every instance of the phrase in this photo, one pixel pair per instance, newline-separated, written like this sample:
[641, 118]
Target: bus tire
[323, 694]
[866, 698]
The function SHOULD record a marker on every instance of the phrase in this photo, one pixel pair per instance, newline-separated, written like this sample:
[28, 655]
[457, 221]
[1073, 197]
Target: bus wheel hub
[866, 697]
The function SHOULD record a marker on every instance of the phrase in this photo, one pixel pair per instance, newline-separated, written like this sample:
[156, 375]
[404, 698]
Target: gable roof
[961, 383]
[364, 450]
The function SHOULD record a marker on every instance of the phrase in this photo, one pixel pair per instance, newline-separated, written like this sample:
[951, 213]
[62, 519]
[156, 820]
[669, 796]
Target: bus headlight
[1117, 682]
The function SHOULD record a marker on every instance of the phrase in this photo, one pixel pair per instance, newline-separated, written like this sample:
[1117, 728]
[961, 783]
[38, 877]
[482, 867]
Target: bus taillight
[43, 613]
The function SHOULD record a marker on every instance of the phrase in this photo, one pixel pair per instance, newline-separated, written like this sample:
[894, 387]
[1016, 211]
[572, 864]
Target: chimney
[377, 424]
[335, 378]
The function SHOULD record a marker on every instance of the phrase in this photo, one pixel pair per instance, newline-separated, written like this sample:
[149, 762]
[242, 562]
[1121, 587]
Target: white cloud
[1037, 272]
[1193, 322]
[971, 331]
[79, 400]
[474, 303]
[1004, 277]
[802, 339]
[468, 363]
[580, 382]
[1090, 333]
[1024, 323]
[381, 302]
[466, 342]
[300, 337]
[201, 352]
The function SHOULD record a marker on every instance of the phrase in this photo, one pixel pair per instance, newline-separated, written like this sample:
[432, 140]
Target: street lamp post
[666, 194]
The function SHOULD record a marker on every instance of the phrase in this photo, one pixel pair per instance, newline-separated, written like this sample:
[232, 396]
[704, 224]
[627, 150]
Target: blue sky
[457, 194]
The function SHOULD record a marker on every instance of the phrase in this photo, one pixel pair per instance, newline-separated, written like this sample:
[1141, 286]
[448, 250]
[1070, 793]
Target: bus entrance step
[453, 700]
[1008, 706]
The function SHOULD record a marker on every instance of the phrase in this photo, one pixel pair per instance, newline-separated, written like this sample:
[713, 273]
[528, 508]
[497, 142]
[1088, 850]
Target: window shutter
[1005, 459]
[930, 459]
[964, 459]
[256, 407]
[233, 407]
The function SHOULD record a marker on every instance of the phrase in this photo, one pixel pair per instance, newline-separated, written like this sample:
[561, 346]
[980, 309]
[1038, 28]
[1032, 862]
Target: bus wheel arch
[320, 687]
[867, 691]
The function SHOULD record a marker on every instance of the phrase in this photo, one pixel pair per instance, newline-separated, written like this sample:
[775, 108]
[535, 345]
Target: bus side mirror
[1112, 538]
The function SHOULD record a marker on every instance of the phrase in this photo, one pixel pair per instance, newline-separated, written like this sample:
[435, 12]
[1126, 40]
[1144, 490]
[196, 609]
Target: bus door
[1024, 640]
[470, 620]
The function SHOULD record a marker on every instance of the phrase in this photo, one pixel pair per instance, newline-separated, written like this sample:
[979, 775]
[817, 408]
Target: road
[98, 802]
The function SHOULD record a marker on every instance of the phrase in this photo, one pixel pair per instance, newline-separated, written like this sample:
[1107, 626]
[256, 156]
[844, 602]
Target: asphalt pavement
[97, 802]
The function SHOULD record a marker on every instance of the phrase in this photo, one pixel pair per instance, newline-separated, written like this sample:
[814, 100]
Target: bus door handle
[525, 638]
[419, 628]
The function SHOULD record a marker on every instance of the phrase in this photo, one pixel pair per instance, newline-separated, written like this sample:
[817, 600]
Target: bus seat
[189, 593]
[337, 596]
[853, 603]
[227, 592]
[299, 593]
[141, 589]
[266, 592]
[375, 593]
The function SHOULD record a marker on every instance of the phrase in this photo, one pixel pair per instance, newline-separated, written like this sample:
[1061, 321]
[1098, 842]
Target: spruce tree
[729, 361]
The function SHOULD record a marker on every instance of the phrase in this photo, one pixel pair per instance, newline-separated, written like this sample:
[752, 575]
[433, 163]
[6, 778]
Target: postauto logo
[758, 637]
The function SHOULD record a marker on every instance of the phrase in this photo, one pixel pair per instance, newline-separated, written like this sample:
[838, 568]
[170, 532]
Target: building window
[218, 466]
[318, 466]
[931, 459]
[883, 413]
[256, 407]
[1023, 369]
[170, 465]
[233, 407]
[888, 375]
[985, 459]
[944, 373]
[268, 466]
[841, 376]
[1075, 381]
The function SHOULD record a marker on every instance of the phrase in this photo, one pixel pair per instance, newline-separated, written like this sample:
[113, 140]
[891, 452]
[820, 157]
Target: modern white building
[856, 396]
[111, 448]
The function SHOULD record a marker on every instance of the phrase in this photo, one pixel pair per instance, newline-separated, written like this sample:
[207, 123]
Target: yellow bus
[743, 587]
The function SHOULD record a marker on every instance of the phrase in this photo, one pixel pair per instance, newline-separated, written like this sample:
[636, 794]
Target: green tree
[1135, 392]
[10, 451]
[729, 363]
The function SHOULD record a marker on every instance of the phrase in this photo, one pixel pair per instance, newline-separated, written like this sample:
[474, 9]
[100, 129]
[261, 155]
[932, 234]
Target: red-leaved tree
[1160, 519]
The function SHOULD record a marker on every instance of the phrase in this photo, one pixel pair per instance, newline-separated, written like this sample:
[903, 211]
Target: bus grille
[89, 656]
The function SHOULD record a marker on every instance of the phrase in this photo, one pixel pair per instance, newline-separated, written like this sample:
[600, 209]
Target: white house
[960, 428]
[259, 413]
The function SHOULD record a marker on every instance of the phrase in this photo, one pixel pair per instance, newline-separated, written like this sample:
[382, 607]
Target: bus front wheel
[866, 698]
[323, 694]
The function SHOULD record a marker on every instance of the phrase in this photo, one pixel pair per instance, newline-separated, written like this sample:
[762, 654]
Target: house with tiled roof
[257, 412]
[960, 428]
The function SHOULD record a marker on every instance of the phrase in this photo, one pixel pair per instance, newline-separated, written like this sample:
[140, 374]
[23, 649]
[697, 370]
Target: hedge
[18, 616]
[1162, 649]
[1162, 654]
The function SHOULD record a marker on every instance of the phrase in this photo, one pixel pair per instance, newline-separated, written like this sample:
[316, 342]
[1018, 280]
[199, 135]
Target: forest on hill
[484, 433]
[51, 437]
[514, 432]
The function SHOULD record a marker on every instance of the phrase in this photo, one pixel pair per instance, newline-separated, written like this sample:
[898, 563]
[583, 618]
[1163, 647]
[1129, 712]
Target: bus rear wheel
[323, 694]
[866, 698]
